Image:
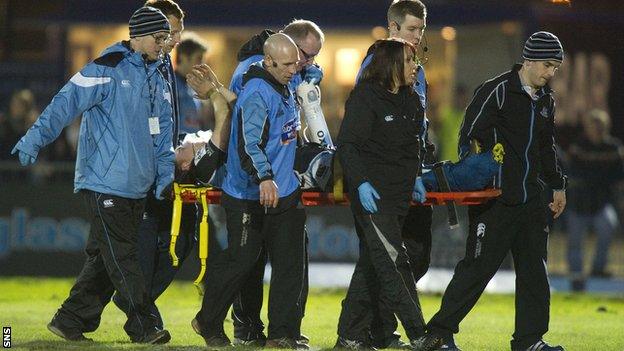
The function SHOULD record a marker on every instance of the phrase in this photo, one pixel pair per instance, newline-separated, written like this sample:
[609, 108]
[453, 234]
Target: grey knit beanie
[147, 20]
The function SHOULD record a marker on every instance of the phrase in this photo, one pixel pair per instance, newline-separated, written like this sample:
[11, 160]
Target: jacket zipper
[526, 152]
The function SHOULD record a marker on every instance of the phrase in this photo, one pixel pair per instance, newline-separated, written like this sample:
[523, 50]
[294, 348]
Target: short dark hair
[190, 46]
[401, 8]
[298, 30]
[386, 66]
[167, 7]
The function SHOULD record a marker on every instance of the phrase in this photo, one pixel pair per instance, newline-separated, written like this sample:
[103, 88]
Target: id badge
[154, 125]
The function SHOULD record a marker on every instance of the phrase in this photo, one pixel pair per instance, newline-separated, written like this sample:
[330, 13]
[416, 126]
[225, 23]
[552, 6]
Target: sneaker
[257, 341]
[428, 342]
[303, 339]
[449, 345]
[158, 336]
[541, 346]
[66, 334]
[347, 344]
[285, 343]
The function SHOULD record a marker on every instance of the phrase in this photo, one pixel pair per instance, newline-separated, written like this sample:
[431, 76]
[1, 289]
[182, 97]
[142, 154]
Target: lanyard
[152, 95]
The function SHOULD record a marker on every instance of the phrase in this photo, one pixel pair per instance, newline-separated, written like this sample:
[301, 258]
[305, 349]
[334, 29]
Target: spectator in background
[190, 52]
[13, 124]
[596, 166]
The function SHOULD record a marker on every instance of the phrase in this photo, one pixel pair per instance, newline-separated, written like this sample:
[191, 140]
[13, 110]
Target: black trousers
[112, 264]
[248, 232]
[496, 229]
[382, 276]
[153, 247]
[248, 303]
[416, 234]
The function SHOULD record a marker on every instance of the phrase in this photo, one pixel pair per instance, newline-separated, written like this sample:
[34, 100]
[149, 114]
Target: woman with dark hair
[379, 148]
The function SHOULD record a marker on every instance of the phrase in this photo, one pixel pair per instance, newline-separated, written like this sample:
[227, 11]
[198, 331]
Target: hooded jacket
[116, 94]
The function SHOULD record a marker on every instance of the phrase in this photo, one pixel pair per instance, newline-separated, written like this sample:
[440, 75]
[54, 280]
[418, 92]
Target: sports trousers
[248, 231]
[416, 235]
[248, 303]
[382, 276]
[494, 230]
[112, 264]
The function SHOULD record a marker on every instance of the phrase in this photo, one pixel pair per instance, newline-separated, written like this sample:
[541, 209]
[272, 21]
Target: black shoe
[285, 343]
[219, 340]
[347, 344]
[449, 345]
[158, 336]
[65, 333]
[258, 340]
[398, 344]
[303, 339]
[541, 346]
[429, 342]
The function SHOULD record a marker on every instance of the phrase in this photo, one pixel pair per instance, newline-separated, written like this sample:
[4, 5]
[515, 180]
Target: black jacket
[378, 143]
[501, 111]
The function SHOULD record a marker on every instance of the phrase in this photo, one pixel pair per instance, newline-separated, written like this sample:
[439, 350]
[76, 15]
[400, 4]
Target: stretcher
[192, 194]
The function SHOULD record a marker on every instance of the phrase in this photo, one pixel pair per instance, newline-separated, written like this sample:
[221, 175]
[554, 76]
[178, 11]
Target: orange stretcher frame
[311, 198]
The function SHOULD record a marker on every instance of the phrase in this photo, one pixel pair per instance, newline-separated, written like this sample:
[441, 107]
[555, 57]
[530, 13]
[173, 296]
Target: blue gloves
[419, 194]
[313, 74]
[368, 194]
[24, 158]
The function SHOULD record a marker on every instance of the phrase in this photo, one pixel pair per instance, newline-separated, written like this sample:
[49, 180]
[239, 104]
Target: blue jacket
[117, 155]
[263, 137]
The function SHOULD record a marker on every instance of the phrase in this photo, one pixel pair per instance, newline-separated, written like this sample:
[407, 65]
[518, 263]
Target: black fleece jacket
[379, 143]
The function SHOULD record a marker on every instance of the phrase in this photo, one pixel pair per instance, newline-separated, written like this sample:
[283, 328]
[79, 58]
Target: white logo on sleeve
[389, 118]
[108, 203]
[480, 230]
[125, 83]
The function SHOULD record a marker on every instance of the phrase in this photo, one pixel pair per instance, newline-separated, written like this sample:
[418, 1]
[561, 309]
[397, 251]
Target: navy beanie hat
[147, 20]
[543, 46]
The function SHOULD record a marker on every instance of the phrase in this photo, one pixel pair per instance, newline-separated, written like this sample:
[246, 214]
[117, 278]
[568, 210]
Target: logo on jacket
[480, 230]
[167, 96]
[108, 203]
[389, 118]
[125, 83]
[289, 131]
[544, 112]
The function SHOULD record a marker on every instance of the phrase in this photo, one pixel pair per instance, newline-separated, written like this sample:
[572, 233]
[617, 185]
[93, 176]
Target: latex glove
[24, 158]
[368, 194]
[419, 194]
[313, 74]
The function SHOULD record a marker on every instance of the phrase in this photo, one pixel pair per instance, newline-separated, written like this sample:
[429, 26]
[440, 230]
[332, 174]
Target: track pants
[248, 231]
[416, 234]
[382, 273]
[112, 264]
[494, 230]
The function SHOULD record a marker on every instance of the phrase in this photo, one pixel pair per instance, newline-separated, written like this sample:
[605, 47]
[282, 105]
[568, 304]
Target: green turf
[580, 322]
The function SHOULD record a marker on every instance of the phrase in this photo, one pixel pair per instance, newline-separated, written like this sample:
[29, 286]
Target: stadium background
[43, 43]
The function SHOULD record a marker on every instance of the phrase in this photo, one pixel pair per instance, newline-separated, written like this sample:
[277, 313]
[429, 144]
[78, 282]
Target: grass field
[579, 322]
